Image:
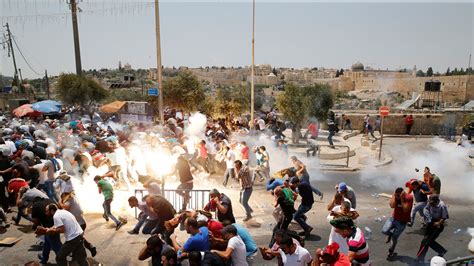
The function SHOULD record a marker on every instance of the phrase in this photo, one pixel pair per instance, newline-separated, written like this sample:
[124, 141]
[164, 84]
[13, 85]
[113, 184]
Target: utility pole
[252, 88]
[21, 77]
[75, 31]
[158, 62]
[467, 82]
[46, 79]
[15, 77]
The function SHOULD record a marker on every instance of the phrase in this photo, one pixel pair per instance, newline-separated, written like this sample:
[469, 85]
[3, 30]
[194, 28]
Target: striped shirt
[357, 244]
[244, 177]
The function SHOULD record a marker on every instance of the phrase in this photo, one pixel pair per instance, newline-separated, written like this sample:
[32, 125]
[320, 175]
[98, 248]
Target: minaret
[120, 65]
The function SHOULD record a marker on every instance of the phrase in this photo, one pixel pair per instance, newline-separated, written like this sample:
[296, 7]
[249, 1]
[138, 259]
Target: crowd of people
[42, 162]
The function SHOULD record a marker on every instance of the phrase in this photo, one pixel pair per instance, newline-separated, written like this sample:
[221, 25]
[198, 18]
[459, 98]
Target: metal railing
[348, 154]
[199, 198]
[469, 260]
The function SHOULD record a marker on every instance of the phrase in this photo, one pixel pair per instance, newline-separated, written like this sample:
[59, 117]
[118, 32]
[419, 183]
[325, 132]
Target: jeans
[312, 150]
[419, 206]
[244, 200]
[429, 241]
[21, 213]
[76, 247]
[331, 134]
[395, 229]
[87, 244]
[228, 173]
[48, 187]
[51, 242]
[107, 210]
[283, 224]
[298, 216]
[263, 172]
[276, 183]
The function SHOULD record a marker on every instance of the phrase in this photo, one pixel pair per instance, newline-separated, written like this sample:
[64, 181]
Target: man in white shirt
[229, 162]
[66, 223]
[235, 247]
[292, 254]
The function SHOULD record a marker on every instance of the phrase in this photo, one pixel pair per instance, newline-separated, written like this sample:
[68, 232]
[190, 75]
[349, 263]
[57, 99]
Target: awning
[112, 107]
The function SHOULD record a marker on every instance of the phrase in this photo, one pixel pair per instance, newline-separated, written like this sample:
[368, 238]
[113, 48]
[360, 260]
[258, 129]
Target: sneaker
[247, 218]
[118, 226]
[132, 232]
[307, 233]
[93, 251]
[105, 217]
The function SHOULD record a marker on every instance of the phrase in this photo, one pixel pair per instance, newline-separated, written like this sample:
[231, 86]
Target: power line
[24, 58]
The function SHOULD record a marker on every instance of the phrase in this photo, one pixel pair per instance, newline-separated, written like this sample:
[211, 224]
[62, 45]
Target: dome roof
[358, 66]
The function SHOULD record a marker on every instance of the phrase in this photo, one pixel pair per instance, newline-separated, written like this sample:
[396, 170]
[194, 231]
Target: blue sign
[153, 92]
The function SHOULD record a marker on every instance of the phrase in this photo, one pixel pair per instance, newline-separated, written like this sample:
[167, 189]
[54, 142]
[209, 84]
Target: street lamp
[252, 90]
[158, 62]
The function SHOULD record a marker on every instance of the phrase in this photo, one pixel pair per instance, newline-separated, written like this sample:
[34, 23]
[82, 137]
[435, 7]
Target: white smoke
[445, 159]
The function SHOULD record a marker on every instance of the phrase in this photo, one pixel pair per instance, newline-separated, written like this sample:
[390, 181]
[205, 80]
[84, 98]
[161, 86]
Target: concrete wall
[425, 124]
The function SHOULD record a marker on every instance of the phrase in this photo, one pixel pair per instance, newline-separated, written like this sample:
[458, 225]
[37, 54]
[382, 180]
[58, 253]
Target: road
[120, 248]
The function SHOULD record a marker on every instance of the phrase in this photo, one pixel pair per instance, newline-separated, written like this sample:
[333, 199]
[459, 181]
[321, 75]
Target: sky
[195, 33]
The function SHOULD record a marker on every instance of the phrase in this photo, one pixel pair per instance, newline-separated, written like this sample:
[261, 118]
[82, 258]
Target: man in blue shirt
[420, 193]
[250, 245]
[198, 241]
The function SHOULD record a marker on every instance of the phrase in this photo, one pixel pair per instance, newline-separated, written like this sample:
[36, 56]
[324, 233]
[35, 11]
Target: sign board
[138, 108]
[384, 110]
[153, 92]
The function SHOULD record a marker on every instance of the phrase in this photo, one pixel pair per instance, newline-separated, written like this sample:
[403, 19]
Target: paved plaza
[120, 248]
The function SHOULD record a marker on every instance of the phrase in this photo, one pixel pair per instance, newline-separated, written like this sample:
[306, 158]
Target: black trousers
[429, 241]
[76, 248]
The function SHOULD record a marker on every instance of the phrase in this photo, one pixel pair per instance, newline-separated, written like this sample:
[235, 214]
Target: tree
[341, 72]
[228, 102]
[448, 72]
[337, 73]
[320, 100]
[420, 73]
[79, 90]
[183, 92]
[294, 105]
[429, 72]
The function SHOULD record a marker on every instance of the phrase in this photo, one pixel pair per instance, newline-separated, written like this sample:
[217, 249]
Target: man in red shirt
[408, 124]
[245, 152]
[401, 203]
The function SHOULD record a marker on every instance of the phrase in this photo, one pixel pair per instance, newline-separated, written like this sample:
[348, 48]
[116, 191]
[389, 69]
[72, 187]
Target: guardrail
[469, 260]
[199, 198]
[342, 146]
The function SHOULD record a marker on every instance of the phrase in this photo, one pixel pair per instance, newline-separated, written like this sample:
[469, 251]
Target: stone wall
[425, 124]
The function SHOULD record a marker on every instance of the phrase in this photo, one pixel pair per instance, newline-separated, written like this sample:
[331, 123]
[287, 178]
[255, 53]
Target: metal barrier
[447, 132]
[199, 198]
[348, 154]
[469, 260]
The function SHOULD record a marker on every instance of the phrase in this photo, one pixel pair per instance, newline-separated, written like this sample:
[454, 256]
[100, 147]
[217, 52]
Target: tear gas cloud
[445, 159]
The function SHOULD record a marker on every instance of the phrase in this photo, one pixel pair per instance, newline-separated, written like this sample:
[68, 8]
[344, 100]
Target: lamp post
[252, 73]
[158, 62]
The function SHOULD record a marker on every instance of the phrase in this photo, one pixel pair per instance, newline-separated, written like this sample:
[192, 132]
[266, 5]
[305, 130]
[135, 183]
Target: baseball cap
[342, 186]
